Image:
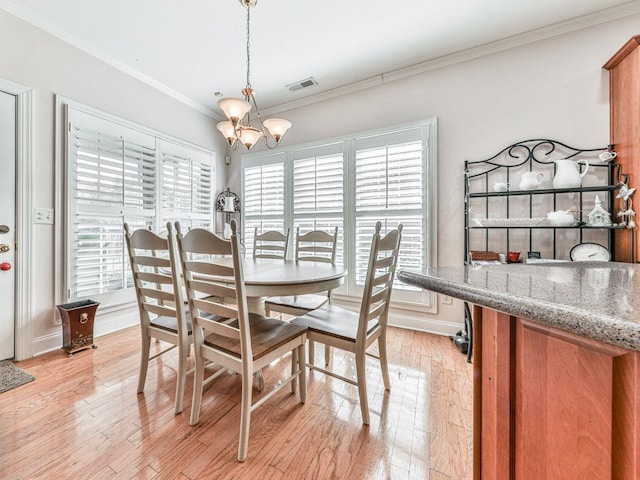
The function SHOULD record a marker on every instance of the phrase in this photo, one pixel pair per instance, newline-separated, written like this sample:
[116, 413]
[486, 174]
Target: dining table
[266, 277]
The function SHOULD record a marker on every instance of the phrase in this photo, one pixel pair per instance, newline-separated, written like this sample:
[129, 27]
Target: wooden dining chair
[161, 304]
[314, 246]
[355, 331]
[271, 244]
[246, 342]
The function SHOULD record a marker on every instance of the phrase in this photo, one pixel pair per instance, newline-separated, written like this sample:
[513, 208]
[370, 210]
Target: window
[318, 191]
[264, 199]
[352, 183]
[186, 184]
[116, 174]
[389, 187]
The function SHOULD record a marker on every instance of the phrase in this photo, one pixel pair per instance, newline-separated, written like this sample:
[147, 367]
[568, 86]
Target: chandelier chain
[248, 45]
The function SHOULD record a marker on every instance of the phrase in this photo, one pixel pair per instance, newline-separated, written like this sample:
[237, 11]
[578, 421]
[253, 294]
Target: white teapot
[561, 218]
[567, 174]
[531, 180]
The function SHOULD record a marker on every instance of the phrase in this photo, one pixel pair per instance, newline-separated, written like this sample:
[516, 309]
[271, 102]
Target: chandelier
[238, 127]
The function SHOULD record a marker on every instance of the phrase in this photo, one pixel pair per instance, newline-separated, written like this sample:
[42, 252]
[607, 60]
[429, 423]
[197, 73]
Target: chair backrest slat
[200, 241]
[152, 261]
[144, 239]
[271, 244]
[211, 288]
[152, 277]
[219, 328]
[208, 268]
[160, 310]
[379, 296]
[385, 262]
[162, 295]
[214, 308]
[316, 246]
[379, 280]
[383, 259]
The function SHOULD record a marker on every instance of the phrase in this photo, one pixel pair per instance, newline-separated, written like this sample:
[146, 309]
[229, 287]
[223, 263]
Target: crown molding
[29, 16]
[578, 23]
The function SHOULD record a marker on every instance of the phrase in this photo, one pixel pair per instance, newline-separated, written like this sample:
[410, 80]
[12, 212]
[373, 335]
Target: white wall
[49, 66]
[554, 88]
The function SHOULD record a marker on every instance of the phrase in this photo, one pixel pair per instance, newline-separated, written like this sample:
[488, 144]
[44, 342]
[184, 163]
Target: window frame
[65, 209]
[422, 301]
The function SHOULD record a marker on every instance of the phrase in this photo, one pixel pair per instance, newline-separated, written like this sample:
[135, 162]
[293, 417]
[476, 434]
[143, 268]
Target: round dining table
[266, 277]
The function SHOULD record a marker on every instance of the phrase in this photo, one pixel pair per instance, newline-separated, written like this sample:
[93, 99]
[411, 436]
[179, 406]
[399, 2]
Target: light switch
[43, 215]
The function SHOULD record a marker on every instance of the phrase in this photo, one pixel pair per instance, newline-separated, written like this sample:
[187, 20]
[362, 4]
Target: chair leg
[245, 417]
[182, 374]
[302, 365]
[198, 379]
[382, 349]
[312, 356]
[259, 380]
[362, 386]
[295, 364]
[144, 361]
[327, 355]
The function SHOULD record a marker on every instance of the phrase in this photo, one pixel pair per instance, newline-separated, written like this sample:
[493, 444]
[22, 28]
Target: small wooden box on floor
[77, 325]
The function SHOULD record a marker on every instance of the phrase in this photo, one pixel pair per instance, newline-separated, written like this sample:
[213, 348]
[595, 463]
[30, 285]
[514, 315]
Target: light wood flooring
[82, 419]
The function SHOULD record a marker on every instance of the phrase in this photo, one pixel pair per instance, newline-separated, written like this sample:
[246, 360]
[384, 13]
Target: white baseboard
[421, 324]
[104, 324]
[417, 321]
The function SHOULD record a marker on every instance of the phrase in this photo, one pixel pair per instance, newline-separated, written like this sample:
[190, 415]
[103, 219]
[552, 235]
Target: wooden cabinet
[624, 79]
[552, 405]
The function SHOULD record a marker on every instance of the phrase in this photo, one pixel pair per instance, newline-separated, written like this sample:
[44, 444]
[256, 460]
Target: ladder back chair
[271, 244]
[355, 332]
[314, 246]
[244, 343]
[156, 279]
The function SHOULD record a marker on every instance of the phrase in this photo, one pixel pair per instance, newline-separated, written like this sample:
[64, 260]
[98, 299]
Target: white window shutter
[114, 175]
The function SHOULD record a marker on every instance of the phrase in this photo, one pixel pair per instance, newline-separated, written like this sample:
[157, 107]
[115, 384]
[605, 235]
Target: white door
[7, 223]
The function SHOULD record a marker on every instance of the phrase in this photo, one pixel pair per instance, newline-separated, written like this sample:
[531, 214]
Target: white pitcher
[567, 174]
[531, 180]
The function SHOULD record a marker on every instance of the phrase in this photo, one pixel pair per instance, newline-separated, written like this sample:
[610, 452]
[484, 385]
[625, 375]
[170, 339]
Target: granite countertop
[598, 300]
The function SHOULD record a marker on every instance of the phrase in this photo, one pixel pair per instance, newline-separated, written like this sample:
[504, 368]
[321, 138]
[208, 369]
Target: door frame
[23, 340]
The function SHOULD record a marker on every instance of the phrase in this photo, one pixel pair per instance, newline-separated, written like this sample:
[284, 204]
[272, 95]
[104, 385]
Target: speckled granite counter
[595, 300]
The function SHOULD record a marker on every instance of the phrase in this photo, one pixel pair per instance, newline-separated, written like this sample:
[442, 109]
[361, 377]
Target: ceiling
[194, 48]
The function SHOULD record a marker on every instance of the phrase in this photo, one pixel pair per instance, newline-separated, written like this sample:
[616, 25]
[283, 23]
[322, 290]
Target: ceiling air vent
[306, 83]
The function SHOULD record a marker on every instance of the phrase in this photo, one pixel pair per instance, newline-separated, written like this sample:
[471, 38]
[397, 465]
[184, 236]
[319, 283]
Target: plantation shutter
[318, 191]
[264, 199]
[389, 187]
[111, 179]
[115, 174]
[187, 176]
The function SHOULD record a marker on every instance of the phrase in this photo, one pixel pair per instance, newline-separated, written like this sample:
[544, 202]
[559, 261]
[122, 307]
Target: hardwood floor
[81, 419]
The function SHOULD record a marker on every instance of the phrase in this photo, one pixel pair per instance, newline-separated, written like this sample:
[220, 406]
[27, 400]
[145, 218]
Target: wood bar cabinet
[549, 404]
[624, 91]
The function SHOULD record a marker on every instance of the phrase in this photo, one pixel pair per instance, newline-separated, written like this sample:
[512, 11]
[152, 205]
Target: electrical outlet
[43, 215]
[446, 300]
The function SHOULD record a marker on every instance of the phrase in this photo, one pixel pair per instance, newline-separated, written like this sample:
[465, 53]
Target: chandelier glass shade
[238, 128]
